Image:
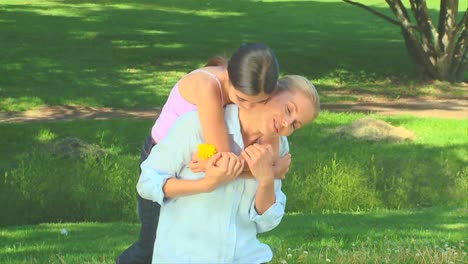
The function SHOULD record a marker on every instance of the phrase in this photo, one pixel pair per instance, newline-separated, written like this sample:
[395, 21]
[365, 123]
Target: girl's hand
[222, 168]
[197, 164]
[281, 167]
[260, 160]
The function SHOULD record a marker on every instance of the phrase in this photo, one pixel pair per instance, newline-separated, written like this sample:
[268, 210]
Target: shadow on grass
[308, 231]
[347, 228]
[84, 241]
[128, 54]
[338, 173]
[328, 172]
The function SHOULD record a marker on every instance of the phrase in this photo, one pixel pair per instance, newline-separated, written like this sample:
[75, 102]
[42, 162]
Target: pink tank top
[174, 107]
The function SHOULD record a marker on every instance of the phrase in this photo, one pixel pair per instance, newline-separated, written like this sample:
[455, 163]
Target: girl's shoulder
[207, 75]
[203, 83]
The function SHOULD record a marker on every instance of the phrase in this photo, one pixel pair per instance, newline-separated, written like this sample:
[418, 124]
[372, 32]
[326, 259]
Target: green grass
[129, 54]
[329, 172]
[422, 236]
[339, 173]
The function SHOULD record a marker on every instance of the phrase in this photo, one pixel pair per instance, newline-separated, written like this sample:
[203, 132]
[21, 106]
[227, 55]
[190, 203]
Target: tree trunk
[437, 53]
[416, 48]
[460, 57]
[447, 37]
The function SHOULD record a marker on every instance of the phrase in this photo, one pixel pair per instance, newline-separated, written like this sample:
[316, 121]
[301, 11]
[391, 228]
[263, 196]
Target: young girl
[248, 79]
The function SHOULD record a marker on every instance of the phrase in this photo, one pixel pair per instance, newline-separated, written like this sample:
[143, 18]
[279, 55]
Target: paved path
[442, 108]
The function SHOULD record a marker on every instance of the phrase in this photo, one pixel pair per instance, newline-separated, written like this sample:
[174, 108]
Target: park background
[349, 200]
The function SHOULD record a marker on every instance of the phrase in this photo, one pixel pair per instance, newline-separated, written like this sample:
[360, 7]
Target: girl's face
[284, 113]
[245, 101]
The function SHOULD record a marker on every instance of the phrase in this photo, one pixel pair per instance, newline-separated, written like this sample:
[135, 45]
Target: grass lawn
[421, 236]
[328, 171]
[128, 54]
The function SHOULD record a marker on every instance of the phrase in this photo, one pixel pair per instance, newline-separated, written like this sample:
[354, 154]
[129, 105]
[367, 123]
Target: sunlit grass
[377, 237]
[374, 237]
[45, 135]
[328, 172]
[75, 52]
[23, 103]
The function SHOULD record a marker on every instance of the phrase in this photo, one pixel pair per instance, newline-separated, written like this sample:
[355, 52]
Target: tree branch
[387, 18]
[447, 21]
[427, 29]
[463, 21]
[460, 62]
[400, 12]
[411, 39]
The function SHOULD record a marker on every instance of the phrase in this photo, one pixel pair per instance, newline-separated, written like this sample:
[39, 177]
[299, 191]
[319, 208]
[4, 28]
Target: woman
[214, 217]
[247, 79]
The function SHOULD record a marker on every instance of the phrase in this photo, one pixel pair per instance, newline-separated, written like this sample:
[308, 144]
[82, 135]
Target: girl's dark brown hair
[254, 69]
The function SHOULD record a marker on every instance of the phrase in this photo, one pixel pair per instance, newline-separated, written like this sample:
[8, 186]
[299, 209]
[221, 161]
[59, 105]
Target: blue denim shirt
[216, 227]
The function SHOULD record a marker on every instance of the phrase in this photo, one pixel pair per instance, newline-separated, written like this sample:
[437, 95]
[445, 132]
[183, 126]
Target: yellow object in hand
[205, 151]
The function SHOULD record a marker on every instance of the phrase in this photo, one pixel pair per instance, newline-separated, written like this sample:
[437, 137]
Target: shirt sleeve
[272, 217]
[169, 157]
[283, 146]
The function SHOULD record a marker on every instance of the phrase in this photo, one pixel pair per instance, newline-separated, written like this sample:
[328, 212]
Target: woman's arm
[222, 168]
[260, 158]
[267, 209]
[280, 165]
[168, 157]
[158, 180]
[270, 218]
[283, 159]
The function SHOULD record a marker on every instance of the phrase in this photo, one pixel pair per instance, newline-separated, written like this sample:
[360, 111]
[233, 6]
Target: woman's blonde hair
[301, 84]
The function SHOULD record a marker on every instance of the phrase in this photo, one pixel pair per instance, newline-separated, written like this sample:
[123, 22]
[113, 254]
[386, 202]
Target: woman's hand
[198, 164]
[281, 167]
[260, 161]
[221, 169]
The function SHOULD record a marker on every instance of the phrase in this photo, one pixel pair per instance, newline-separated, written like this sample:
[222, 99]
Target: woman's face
[245, 101]
[284, 113]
